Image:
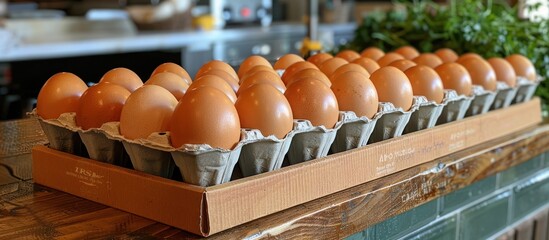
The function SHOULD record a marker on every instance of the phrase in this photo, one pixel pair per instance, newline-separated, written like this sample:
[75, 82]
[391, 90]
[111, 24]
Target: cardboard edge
[204, 219]
[63, 176]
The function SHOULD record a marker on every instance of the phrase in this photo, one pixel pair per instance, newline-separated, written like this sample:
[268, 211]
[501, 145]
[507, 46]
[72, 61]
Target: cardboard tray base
[209, 210]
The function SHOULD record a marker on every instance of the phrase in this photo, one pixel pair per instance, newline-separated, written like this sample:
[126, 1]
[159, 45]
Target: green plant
[490, 28]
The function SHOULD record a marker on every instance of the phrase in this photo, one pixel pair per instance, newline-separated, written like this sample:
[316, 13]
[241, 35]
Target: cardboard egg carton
[525, 89]
[354, 132]
[482, 101]
[504, 95]
[262, 154]
[426, 114]
[199, 164]
[455, 106]
[103, 149]
[60, 137]
[391, 121]
[209, 210]
[311, 142]
[206, 166]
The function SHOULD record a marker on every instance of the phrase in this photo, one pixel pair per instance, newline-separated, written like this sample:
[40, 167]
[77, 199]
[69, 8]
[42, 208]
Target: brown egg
[251, 61]
[403, 64]
[468, 55]
[287, 60]
[389, 58]
[123, 77]
[146, 111]
[523, 66]
[219, 65]
[367, 63]
[407, 52]
[329, 66]
[355, 92]
[456, 77]
[428, 59]
[481, 72]
[100, 104]
[447, 55]
[319, 58]
[263, 107]
[216, 82]
[257, 68]
[173, 68]
[504, 71]
[310, 73]
[393, 86]
[60, 94]
[171, 82]
[372, 53]
[312, 100]
[426, 82]
[205, 116]
[225, 76]
[348, 55]
[265, 77]
[349, 67]
[294, 68]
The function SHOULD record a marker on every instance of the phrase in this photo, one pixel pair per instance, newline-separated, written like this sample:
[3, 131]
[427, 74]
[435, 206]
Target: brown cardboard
[150, 196]
[210, 210]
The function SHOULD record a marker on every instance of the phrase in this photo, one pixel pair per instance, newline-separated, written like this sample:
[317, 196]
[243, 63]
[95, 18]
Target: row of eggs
[220, 101]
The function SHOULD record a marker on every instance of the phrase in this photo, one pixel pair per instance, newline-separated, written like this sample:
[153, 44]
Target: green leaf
[490, 28]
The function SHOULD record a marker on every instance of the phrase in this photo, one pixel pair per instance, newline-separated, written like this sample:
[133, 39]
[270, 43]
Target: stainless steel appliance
[239, 12]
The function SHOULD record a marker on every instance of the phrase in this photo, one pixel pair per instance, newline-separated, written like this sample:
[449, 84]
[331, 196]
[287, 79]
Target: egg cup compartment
[425, 116]
[481, 102]
[391, 122]
[205, 166]
[103, 149]
[310, 142]
[149, 160]
[504, 96]
[354, 132]
[525, 89]
[455, 107]
[262, 154]
[60, 133]
[150, 155]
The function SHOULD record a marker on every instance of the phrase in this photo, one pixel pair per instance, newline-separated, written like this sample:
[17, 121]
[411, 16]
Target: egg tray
[425, 116]
[311, 142]
[354, 131]
[208, 210]
[392, 121]
[482, 101]
[525, 89]
[255, 153]
[198, 164]
[504, 95]
[262, 154]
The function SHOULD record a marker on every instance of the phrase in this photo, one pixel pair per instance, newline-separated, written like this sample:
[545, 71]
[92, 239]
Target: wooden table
[36, 212]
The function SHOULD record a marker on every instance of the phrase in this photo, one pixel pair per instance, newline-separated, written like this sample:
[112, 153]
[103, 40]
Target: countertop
[32, 39]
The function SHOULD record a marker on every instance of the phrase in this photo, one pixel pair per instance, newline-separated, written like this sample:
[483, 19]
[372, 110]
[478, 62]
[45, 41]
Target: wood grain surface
[29, 211]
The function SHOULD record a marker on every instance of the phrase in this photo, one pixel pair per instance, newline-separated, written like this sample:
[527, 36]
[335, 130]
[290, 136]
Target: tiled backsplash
[479, 211]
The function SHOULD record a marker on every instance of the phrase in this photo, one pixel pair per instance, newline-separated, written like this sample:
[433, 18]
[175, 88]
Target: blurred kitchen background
[88, 38]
